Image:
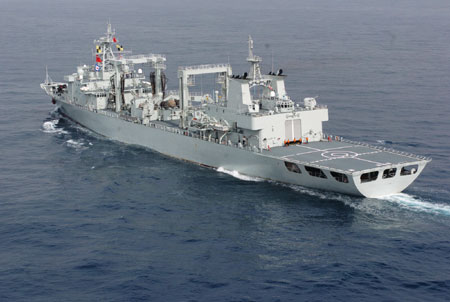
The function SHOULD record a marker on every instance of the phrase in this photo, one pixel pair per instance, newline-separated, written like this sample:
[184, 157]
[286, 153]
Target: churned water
[83, 218]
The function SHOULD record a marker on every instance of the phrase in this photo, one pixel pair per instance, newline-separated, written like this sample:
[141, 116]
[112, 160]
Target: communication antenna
[272, 61]
[48, 79]
[201, 85]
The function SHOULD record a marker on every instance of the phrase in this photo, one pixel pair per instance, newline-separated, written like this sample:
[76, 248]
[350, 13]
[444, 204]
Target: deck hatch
[370, 176]
[292, 167]
[339, 176]
[316, 172]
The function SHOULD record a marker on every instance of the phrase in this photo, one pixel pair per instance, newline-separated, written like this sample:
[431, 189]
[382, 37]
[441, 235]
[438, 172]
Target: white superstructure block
[277, 85]
[239, 97]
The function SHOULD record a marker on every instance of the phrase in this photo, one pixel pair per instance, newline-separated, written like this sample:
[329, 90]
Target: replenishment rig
[250, 125]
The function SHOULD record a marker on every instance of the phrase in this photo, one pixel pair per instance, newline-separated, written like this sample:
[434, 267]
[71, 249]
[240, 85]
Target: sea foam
[238, 175]
[78, 145]
[50, 127]
[416, 204]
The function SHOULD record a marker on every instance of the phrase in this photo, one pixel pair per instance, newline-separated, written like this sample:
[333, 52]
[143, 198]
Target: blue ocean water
[83, 218]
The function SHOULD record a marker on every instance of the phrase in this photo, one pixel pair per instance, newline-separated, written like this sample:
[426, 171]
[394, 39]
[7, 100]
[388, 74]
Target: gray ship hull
[266, 165]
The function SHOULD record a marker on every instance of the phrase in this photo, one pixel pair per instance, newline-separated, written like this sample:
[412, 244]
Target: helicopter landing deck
[342, 155]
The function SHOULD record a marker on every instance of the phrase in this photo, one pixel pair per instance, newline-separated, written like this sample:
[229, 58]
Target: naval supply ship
[249, 125]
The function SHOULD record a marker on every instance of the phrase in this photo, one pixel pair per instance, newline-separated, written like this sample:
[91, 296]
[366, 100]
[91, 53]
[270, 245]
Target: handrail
[254, 148]
[202, 137]
[204, 66]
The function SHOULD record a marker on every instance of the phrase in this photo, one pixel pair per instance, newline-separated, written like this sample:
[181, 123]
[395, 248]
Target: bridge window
[367, 177]
[409, 170]
[315, 172]
[292, 167]
[339, 176]
[389, 173]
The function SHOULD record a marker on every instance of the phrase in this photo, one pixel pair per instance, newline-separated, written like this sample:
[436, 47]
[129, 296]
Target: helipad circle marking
[339, 154]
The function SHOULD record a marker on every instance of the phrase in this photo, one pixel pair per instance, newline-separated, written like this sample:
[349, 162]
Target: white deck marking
[327, 159]
[339, 154]
[378, 151]
[302, 146]
[366, 160]
[353, 157]
[347, 154]
[373, 162]
[317, 150]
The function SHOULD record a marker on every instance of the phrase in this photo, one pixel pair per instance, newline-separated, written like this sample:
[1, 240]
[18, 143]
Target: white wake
[78, 145]
[50, 127]
[416, 204]
[238, 175]
[376, 206]
[321, 194]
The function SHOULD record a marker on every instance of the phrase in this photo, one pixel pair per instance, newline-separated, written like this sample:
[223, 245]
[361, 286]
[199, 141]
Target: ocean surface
[84, 218]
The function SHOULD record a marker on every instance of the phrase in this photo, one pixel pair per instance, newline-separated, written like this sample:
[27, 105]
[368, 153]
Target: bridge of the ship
[343, 156]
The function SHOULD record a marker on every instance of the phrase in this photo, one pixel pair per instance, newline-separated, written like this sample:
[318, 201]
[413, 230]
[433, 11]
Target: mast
[104, 49]
[48, 80]
[255, 70]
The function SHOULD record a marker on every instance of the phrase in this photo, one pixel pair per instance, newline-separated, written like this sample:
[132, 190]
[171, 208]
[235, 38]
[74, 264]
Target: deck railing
[254, 149]
[204, 66]
[204, 137]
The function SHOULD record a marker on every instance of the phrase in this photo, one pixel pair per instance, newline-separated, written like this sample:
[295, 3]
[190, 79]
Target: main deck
[341, 166]
[344, 156]
[339, 155]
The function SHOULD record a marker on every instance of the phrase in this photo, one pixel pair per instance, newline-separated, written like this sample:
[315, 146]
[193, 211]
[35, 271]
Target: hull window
[389, 173]
[409, 170]
[339, 177]
[292, 167]
[315, 172]
[367, 177]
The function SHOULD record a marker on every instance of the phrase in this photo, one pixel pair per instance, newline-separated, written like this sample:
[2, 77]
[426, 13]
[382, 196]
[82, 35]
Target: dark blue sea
[84, 218]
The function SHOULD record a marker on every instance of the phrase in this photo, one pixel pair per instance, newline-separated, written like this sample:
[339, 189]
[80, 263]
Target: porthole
[292, 167]
[339, 176]
[316, 172]
[389, 173]
[370, 176]
[409, 170]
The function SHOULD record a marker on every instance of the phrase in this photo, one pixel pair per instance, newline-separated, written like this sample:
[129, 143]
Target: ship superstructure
[250, 124]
